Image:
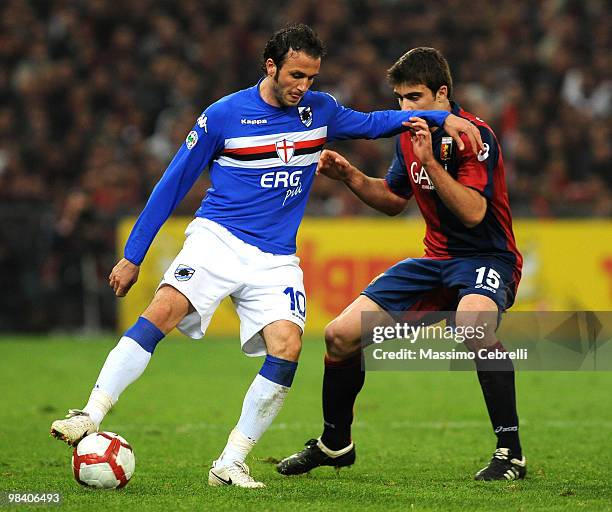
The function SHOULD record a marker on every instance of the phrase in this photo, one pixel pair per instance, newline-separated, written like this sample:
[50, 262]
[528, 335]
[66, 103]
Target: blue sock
[279, 371]
[145, 333]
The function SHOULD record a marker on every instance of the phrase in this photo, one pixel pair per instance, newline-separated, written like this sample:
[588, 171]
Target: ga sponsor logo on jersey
[285, 150]
[420, 177]
[283, 179]
[305, 115]
[201, 122]
[192, 139]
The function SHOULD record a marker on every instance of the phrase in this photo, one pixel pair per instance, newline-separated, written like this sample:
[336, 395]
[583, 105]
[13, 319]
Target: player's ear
[442, 93]
[270, 67]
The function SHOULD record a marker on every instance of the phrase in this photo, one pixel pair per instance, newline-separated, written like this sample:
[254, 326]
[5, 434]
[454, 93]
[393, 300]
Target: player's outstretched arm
[372, 191]
[455, 126]
[350, 124]
[123, 276]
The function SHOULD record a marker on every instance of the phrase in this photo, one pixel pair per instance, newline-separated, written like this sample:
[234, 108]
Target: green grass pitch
[420, 436]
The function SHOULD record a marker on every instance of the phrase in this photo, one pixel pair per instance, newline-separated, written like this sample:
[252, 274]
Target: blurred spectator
[96, 96]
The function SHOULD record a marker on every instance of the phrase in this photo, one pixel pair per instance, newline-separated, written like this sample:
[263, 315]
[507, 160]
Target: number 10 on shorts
[298, 301]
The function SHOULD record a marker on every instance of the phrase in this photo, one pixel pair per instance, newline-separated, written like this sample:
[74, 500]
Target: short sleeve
[477, 171]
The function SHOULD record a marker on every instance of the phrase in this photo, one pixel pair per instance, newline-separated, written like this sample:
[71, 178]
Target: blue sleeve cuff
[433, 117]
[132, 260]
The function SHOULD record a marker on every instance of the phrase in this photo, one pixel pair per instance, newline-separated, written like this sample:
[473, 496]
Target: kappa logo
[202, 120]
[192, 139]
[483, 154]
[254, 121]
[285, 150]
[183, 273]
[305, 115]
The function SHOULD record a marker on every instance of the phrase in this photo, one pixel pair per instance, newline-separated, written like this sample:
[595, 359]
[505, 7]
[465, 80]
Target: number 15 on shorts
[297, 301]
[488, 278]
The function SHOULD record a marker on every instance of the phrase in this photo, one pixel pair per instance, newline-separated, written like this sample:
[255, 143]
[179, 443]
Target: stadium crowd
[97, 95]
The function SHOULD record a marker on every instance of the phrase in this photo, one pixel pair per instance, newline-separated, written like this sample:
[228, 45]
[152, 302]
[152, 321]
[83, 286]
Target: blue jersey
[262, 161]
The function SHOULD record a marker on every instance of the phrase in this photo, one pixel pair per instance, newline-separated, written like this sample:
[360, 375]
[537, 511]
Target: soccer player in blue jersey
[261, 146]
[471, 263]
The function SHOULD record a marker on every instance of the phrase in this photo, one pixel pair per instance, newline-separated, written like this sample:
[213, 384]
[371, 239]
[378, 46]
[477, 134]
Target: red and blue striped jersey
[446, 236]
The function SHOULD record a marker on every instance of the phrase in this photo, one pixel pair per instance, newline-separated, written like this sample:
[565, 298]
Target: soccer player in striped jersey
[261, 146]
[471, 263]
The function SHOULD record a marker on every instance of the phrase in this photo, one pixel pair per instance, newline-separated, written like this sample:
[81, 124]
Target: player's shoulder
[227, 104]
[321, 99]
[486, 132]
[474, 119]
[217, 116]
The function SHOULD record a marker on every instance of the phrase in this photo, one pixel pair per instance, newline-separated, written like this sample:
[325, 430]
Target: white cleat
[237, 474]
[71, 430]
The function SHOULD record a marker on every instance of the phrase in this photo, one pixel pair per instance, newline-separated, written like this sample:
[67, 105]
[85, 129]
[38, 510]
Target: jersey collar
[260, 101]
[438, 134]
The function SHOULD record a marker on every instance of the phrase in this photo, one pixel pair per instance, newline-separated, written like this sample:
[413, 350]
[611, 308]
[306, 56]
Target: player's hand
[421, 140]
[455, 126]
[123, 276]
[334, 166]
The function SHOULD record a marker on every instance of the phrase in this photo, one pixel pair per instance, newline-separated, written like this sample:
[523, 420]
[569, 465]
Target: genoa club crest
[446, 147]
[285, 149]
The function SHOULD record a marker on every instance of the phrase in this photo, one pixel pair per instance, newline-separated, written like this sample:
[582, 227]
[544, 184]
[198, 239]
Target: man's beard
[278, 93]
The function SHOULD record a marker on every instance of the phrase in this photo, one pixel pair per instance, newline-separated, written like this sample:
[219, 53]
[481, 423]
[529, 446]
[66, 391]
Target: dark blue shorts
[424, 284]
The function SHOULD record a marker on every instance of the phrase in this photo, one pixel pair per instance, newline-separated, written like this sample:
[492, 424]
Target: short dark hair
[425, 66]
[297, 37]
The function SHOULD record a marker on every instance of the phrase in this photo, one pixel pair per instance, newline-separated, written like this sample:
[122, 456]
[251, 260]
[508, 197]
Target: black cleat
[312, 457]
[503, 467]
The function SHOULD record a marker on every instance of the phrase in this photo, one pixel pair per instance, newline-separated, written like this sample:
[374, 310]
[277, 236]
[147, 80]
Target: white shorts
[264, 287]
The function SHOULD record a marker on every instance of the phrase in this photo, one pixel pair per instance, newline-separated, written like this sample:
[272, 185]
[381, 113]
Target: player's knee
[338, 343]
[283, 340]
[160, 314]
[290, 348]
[167, 309]
[477, 318]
